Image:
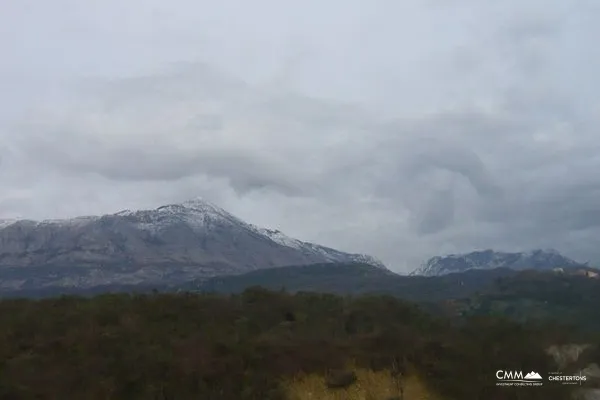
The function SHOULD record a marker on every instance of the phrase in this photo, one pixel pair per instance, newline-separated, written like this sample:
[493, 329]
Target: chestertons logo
[518, 378]
[559, 377]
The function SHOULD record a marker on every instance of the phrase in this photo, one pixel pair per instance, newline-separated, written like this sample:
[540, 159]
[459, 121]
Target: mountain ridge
[174, 242]
[489, 259]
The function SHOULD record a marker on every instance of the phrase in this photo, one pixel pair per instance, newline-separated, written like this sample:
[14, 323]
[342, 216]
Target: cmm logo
[517, 378]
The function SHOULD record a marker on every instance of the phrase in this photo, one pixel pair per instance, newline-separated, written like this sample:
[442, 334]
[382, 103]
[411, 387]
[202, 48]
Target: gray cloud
[401, 130]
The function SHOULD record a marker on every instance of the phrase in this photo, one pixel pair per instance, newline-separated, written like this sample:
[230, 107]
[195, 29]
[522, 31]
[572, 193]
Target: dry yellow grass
[370, 385]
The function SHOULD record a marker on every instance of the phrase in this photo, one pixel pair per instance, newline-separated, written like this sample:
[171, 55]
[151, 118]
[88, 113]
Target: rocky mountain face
[173, 243]
[489, 259]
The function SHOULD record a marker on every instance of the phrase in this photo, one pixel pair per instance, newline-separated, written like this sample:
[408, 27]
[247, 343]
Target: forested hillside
[354, 278]
[260, 345]
[571, 299]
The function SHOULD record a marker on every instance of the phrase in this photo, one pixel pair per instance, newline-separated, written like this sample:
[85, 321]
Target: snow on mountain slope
[172, 243]
[329, 254]
[198, 214]
[6, 222]
[489, 259]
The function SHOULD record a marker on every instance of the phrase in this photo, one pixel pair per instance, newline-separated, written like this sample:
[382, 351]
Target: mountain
[170, 244]
[489, 259]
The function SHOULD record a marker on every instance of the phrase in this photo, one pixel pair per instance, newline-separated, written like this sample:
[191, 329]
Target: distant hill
[568, 296]
[489, 259]
[354, 278]
[339, 278]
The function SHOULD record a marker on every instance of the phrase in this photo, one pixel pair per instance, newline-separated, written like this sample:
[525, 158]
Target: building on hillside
[586, 273]
[592, 274]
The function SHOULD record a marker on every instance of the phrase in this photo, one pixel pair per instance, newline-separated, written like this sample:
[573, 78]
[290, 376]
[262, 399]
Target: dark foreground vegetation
[249, 346]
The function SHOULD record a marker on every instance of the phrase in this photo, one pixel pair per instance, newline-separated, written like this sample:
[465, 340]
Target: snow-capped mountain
[489, 259]
[170, 244]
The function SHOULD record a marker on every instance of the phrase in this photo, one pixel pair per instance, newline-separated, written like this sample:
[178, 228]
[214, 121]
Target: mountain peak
[200, 203]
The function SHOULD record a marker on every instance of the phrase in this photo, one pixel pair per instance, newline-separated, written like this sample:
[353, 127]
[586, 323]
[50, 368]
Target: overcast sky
[403, 129]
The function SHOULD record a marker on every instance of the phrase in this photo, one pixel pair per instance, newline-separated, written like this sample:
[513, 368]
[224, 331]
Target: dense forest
[262, 345]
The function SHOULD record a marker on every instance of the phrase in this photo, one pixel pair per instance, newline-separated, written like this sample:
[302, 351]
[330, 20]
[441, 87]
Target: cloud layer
[401, 131]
